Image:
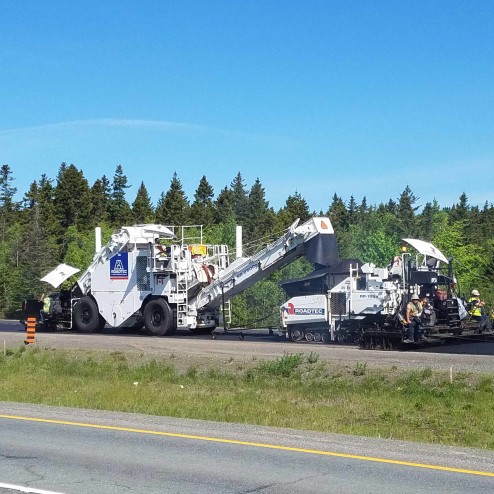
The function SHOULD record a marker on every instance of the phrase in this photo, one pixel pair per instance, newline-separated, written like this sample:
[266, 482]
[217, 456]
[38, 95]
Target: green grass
[293, 391]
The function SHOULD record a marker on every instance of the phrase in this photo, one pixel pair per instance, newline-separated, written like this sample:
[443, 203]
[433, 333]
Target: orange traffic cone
[31, 330]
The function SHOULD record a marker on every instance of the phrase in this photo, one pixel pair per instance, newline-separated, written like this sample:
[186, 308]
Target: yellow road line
[253, 444]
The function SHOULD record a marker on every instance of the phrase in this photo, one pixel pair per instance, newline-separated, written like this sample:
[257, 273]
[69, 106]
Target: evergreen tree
[486, 224]
[142, 208]
[474, 234]
[9, 238]
[362, 211]
[338, 214]
[295, 207]
[72, 199]
[173, 207]
[224, 229]
[260, 218]
[426, 221]
[240, 198]
[202, 209]
[224, 206]
[391, 206]
[120, 211]
[352, 210]
[8, 207]
[459, 212]
[100, 201]
[405, 213]
[39, 236]
[46, 203]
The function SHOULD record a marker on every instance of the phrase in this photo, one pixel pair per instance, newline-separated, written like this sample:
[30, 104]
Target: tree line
[55, 220]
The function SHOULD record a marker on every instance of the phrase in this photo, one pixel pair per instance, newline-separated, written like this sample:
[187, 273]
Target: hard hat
[475, 293]
[415, 297]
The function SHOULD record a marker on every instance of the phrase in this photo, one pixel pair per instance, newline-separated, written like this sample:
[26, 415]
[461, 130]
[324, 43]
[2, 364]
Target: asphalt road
[456, 356]
[80, 451]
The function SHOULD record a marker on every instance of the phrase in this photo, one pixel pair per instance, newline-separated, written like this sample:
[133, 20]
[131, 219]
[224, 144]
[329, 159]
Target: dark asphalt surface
[190, 457]
[458, 355]
[71, 459]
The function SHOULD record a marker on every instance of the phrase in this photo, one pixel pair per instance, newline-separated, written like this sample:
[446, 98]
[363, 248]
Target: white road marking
[21, 488]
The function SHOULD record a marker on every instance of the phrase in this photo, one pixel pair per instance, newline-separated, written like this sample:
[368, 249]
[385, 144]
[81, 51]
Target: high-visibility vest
[475, 310]
[415, 309]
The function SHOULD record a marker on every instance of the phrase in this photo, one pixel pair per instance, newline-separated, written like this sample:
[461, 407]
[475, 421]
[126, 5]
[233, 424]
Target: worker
[427, 316]
[413, 313]
[476, 308]
[160, 249]
[46, 310]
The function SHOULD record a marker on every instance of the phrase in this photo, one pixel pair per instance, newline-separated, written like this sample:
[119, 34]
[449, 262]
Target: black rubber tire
[297, 335]
[86, 315]
[158, 317]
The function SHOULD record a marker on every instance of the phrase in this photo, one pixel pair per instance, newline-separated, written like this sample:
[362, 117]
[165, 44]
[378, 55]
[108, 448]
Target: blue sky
[320, 97]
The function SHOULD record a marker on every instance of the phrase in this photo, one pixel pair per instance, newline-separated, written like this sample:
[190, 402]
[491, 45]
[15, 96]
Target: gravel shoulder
[476, 357]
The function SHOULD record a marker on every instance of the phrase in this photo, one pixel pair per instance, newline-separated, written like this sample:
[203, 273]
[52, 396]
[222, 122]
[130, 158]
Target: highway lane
[82, 451]
[466, 357]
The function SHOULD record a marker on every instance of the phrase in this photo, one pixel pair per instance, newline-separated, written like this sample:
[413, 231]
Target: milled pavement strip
[252, 444]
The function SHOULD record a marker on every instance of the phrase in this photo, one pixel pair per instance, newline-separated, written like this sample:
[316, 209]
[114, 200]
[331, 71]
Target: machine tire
[86, 315]
[158, 317]
[297, 335]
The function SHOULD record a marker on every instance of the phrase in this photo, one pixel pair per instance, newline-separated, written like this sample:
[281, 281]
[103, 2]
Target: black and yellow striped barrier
[31, 330]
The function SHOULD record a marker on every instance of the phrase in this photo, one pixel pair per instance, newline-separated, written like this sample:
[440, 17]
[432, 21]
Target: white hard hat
[415, 297]
[475, 293]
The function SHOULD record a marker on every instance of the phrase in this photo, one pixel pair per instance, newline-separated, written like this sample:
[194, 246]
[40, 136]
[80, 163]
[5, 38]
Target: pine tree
[460, 211]
[8, 207]
[427, 221]
[338, 214]
[240, 198]
[295, 207]
[202, 209]
[224, 207]
[486, 224]
[352, 210]
[72, 199]
[142, 207]
[120, 211]
[405, 213]
[39, 236]
[173, 207]
[9, 237]
[100, 201]
[260, 219]
[362, 211]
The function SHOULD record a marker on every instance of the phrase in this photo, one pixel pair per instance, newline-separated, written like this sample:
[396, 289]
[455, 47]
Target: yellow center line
[253, 444]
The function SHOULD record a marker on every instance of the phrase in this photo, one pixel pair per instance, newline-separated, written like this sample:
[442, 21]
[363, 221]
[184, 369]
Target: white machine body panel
[141, 262]
[305, 309]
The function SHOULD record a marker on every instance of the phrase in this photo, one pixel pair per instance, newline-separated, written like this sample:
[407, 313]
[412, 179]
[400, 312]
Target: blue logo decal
[119, 267]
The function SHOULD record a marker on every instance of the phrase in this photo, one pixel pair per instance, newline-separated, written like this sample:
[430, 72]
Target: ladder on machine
[182, 306]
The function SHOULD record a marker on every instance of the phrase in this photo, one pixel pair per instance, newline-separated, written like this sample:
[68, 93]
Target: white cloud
[107, 122]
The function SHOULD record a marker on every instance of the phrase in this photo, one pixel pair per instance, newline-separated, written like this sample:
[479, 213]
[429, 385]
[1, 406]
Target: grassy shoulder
[294, 391]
